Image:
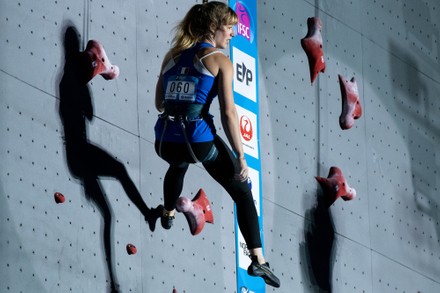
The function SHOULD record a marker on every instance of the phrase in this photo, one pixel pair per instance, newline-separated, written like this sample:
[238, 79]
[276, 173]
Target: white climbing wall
[385, 240]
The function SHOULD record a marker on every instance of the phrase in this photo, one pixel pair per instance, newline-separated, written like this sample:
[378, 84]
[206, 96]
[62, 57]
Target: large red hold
[351, 107]
[99, 62]
[312, 45]
[197, 211]
[335, 186]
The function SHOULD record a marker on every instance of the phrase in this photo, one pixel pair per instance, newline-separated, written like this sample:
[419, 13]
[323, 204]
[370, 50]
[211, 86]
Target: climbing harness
[193, 113]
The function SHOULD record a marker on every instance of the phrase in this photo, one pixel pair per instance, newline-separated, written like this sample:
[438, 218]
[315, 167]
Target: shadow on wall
[427, 35]
[423, 133]
[88, 162]
[317, 253]
[425, 175]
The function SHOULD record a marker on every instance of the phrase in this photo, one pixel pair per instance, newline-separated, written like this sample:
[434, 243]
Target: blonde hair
[200, 23]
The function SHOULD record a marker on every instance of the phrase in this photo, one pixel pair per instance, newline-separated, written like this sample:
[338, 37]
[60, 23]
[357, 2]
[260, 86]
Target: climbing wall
[387, 239]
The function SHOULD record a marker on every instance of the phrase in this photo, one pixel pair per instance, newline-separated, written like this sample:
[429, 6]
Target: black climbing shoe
[263, 270]
[167, 221]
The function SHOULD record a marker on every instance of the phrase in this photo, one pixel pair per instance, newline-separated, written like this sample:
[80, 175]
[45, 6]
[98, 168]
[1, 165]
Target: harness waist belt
[186, 111]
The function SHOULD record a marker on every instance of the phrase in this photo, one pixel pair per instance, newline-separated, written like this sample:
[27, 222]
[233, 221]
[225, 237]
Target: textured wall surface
[385, 240]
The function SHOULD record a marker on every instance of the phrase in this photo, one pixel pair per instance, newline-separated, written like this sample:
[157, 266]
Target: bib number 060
[182, 90]
[179, 87]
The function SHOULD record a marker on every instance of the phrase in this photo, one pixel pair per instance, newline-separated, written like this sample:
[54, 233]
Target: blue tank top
[188, 82]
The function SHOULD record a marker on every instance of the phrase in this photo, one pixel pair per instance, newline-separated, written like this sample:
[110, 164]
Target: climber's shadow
[317, 251]
[86, 161]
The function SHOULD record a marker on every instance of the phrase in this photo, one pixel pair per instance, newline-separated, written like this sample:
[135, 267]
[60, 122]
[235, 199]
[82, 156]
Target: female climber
[193, 73]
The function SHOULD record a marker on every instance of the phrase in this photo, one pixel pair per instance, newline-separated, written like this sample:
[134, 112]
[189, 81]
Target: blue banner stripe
[244, 55]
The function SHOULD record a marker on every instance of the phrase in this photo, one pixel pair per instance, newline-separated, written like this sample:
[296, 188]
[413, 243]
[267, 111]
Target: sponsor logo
[246, 128]
[245, 25]
[245, 249]
[244, 74]
[248, 131]
[244, 78]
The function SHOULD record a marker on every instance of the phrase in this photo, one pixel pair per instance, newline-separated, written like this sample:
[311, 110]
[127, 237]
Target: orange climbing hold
[351, 107]
[335, 186]
[312, 45]
[59, 197]
[197, 211]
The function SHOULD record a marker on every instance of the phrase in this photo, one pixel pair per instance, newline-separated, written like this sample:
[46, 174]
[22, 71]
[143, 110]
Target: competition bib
[181, 88]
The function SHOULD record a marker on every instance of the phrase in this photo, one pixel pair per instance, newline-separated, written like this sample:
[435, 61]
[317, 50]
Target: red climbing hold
[312, 45]
[351, 107]
[335, 186]
[59, 197]
[174, 290]
[100, 64]
[131, 249]
[197, 212]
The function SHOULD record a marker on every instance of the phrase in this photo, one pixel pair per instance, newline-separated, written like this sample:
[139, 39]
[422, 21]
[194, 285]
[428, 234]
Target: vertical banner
[244, 55]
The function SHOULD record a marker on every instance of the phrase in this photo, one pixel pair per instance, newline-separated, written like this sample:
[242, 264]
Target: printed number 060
[177, 87]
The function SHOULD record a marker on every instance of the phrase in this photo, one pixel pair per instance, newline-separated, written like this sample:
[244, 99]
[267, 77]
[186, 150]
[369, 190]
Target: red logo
[246, 128]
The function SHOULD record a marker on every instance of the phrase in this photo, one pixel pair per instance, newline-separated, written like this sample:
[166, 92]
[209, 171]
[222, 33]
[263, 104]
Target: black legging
[222, 168]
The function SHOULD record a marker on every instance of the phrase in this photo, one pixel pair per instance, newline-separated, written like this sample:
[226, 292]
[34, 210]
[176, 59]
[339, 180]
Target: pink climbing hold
[351, 107]
[312, 45]
[174, 290]
[335, 186]
[59, 197]
[131, 249]
[100, 64]
[197, 211]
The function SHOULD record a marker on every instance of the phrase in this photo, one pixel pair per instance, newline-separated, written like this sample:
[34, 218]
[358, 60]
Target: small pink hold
[312, 45]
[131, 249]
[197, 211]
[174, 290]
[100, 64]
[351, 107]
[59, 197]
[335, 186]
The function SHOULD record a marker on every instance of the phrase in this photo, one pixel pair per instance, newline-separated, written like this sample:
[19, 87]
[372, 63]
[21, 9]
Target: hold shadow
[422, 131]
[317, 251]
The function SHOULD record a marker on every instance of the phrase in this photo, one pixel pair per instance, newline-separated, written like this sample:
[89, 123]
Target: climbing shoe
[167, 221]
[263, 270]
